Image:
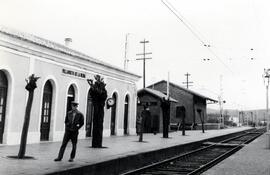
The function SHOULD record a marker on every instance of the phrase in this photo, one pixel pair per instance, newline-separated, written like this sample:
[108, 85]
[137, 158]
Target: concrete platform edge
[134, 160]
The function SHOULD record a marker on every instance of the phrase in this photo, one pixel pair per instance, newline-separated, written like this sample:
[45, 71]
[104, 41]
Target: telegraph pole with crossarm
[188, 83]
[144, 58]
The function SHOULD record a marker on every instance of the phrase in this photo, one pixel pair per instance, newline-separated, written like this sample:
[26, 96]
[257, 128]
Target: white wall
[18, 65]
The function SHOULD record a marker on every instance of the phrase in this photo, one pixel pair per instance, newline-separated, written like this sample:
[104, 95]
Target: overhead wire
[190, 28]
[191, 25]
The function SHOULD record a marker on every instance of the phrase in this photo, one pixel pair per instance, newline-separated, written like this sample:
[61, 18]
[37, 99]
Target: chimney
[68, 42]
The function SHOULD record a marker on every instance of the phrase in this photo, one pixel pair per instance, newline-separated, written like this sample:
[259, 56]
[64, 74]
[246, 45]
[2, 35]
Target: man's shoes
[71, 160]
[57, 159]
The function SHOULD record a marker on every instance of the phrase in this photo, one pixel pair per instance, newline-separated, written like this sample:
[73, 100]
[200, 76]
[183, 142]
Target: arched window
[113, 115]
[89, 116]
[3, 99]
[46, 112]
[126, 115]
[70, 97]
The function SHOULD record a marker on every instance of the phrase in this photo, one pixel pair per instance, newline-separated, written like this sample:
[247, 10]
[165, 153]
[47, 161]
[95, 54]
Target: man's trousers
[69, 135]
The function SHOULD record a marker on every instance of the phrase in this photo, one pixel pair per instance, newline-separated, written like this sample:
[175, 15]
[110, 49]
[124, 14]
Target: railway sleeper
[221, 144]
[214, 151]
[161, 172]
[184, 166]
[256, 132]
[195, 160]
[207, 156]
[193, 164]
[184, 169]
[176, 169]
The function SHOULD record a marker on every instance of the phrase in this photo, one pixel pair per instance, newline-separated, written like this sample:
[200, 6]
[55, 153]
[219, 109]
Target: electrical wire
[180, 17]
[189, 28]
[211, 50]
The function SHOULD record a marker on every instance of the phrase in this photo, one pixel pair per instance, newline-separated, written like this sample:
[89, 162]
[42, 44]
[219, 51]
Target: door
[46, 112]
[3, 99]
[113, 116]
[126, 116]
[89, 116]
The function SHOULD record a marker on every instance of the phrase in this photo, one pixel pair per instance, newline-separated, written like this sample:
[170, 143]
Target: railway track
[199, 160]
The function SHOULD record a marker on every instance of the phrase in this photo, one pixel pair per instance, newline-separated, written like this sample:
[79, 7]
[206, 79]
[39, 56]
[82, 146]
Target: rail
[199, 160]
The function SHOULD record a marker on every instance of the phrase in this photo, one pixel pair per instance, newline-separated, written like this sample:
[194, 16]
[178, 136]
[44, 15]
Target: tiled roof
[185, 89]
[156, 93]
[54, 46]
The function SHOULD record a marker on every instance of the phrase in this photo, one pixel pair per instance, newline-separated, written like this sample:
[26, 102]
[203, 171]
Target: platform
[115, 148]
[252, 159]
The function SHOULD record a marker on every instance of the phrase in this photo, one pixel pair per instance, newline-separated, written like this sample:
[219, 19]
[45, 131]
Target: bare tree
[165, 105]
[30, 87]
[99, 95]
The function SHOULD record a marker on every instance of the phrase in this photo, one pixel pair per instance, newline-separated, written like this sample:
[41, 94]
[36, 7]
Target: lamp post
[221, 117]
[266, 77]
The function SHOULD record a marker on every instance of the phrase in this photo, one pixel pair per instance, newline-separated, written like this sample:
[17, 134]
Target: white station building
[63, 76]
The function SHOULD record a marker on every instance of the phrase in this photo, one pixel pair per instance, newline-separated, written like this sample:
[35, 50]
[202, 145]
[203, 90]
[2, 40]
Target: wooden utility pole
[221, 102]
[144, 58]
[187, 82]
[126, 47]
[266, 79]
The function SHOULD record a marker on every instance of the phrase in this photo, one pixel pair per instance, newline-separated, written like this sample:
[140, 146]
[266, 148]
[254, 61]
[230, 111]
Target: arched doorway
[46, 112]
[3, 99]
[113, 115]
[89, 116]
[126, 116]
[70, 97]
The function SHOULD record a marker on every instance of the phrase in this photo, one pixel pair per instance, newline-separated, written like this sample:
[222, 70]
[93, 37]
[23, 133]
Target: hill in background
[259, 114]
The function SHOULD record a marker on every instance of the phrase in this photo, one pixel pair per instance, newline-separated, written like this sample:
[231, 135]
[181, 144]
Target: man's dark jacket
[77, 123]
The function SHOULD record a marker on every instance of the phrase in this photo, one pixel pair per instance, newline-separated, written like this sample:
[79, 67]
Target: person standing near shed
[144, 115]
[73, 122]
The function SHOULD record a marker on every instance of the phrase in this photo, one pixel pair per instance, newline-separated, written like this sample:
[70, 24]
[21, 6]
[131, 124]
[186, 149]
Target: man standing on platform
[144, 115]
[73, 122]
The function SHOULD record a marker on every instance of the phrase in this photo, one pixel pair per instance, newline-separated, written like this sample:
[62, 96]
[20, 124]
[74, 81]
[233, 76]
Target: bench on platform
[178, 126]
[175, 126]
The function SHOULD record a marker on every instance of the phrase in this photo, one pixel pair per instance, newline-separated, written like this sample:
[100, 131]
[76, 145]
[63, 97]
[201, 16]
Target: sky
[237, 32]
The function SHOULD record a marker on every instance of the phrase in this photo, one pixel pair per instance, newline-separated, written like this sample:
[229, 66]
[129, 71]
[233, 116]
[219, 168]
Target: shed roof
[185, 89]
[156, 93]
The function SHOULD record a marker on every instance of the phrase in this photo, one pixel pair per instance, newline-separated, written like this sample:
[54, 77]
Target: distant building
[234, 119]
[63, 73]
[194, 103]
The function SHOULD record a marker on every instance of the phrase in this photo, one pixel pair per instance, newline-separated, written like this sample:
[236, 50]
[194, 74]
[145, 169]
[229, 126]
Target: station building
[194, 103]
[63, 76]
